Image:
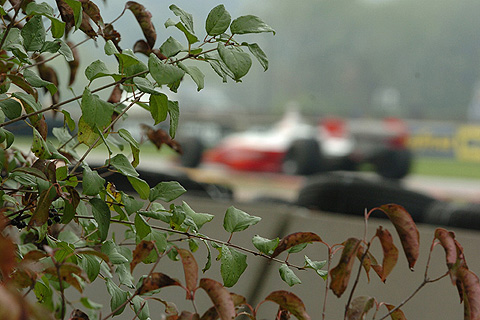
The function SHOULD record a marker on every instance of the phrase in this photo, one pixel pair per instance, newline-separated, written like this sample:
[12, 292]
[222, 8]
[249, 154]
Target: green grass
[446, 168]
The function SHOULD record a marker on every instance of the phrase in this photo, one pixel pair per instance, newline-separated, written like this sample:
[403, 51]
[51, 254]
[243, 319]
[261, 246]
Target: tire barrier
[347, 193]
[458, 215]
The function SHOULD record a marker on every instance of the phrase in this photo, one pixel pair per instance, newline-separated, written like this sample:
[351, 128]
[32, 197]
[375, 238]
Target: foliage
[65, 209]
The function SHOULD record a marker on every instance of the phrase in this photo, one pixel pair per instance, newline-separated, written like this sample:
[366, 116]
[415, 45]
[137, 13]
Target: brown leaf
[160, 137]
[47, 73]
[185, 315]
[7, 256]
[359, 307]
[190, 268]
[93, 12]
[471, 293]
[10, 306]
[20, 82]
[156, 281]
[40, 215]
[66, 13]
[369, 262]
[142, 47]
[42, 127]
[220, 297]
[141, 252]
[390, 252]
[294, 239]
[74, 64]
[453, 251]
[78, 315]
[34, 255]
[289, 301]
[144, 19]
[340, 275]
[397, 314]
[116, 94]
[67, 270]
[406, 229]
[109, 33]
[86, 27]
[212, 314]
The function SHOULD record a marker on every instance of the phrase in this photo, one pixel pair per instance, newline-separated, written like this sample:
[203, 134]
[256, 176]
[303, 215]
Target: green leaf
[39, 146]
[134, 146]
[110, 48]
[237, 220]
[258, 53]
[29, 102]
[102, 215]
[142, 227]
[297, 248]
[127, 59]
[159, 107]
[141, 186]
[90, 265]
[218, 21]
[317, 266]
[51, 46]
[121, 163]
[124, 275]
[199, 218]
[174, 113]
[145, 85]
[95, 112]
[264, 245]
[77, 12]
[163, 73]
[68, 119]
[237, 61]
[111, 250]
[65, 51]
[39, 9]
[58, 27]
[166, 191]
[33, 34]
[191, 37]
[92, 182]
[249, 24]
[89, 304]
[171, 47]
[118, 296]
[185, 17]
[97, 69]
[132, 205]
[157, 215]
[195, 73]
[288, 275]
[233, 264]
[38, 82]
[11, 107]
[140, 306]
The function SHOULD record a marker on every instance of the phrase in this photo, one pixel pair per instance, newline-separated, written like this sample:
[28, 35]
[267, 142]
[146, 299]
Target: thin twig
[11, 24]
[350, 297]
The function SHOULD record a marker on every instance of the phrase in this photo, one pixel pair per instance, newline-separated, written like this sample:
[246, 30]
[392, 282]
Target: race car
[293, 146]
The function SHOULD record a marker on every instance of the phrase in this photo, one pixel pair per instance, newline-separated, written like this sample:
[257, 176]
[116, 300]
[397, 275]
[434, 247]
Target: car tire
[302, 158]
[348, 193]
[394, 164]
[454, 215]
[192, 151]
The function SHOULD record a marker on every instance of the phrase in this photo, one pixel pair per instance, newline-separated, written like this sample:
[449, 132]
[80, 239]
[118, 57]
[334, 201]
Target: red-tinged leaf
[86, 27]
[185, 315]
[190, 268]
[294, 239]
[11, 307]
[390, 252]
[93, 12]
[397, 314]
[49, 74]
[141, 252]
[99, 254]
[359, 307]
[67, 272]
[74, 64]
[470, 285]
[23, 278]
[212, 314]
[340, 275]
[7, 256]
[144, 19]
[66, 13]
[156, 281]
[42, 127]
[290, 302]
[453, 252]
[406, 229]
[109, 33]
[369, 262]
[220, 297]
